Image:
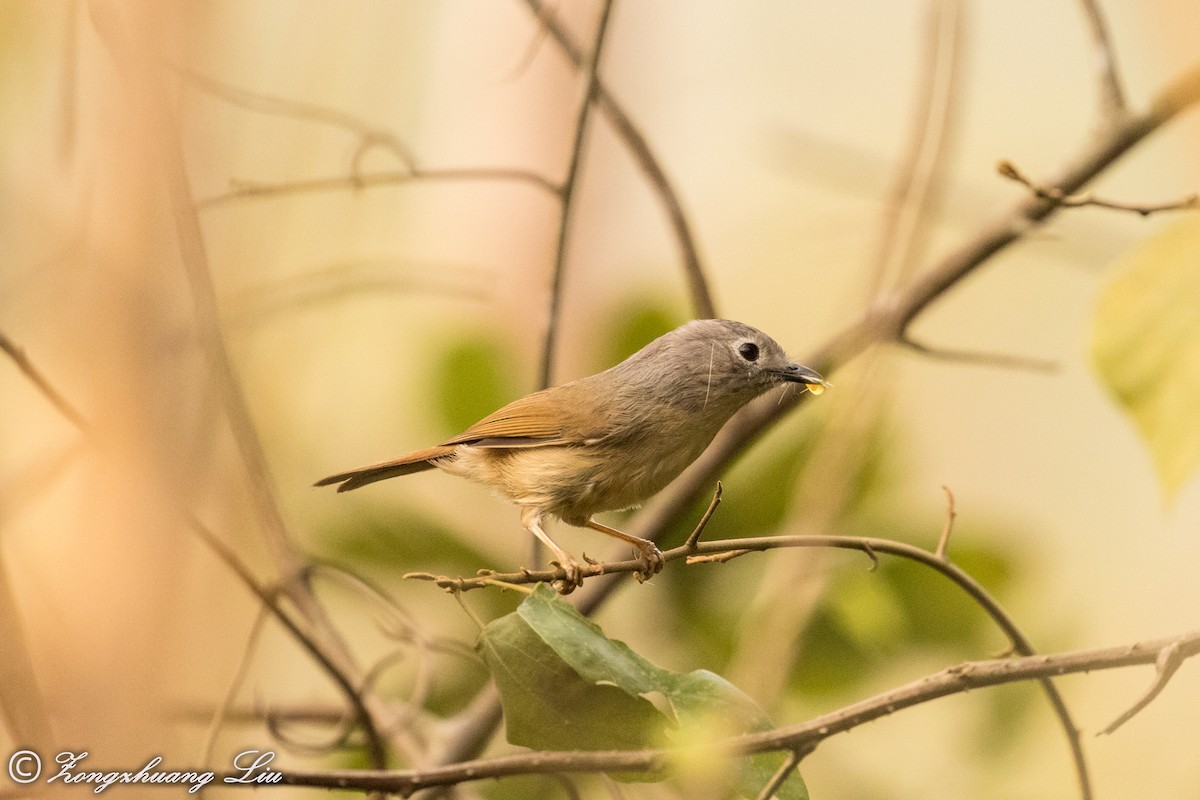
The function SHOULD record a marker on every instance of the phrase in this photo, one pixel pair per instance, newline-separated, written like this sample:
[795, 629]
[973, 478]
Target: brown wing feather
[545, 418]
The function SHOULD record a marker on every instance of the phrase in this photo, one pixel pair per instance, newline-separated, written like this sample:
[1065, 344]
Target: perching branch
[800, 738]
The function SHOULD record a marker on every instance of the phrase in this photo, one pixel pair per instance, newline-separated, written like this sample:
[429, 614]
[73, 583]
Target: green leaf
[547, 704]
[563, 682]
[1146, 347]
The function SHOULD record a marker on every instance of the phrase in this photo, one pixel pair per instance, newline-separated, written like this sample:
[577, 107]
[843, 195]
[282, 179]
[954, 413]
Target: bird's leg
[648, 550]
[531, 518]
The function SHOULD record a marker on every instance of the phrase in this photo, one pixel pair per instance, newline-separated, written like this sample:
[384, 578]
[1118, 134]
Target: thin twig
[782, 774]
[250, 190]
[631, 135]
[369, 135]
[1112, 96]
[582, 125]
[316, 648]
[708, 514]
[801, 737]
[917, 184]
[144, 81]
[218, 718]
[1000, 360]
[948, 528]
[37, 379]
[1055, 195]
[1169, 660]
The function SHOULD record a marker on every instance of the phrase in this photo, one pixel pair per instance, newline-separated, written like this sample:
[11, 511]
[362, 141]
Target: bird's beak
[798, 374]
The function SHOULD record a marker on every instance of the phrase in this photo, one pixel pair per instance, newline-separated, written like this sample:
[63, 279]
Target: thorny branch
[800, 738]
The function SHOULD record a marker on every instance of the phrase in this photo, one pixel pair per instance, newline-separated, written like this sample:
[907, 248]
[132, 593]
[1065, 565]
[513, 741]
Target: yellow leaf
[1146, 347]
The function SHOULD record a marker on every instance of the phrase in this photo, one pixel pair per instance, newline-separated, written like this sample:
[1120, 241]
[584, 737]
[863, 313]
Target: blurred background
[380, 286]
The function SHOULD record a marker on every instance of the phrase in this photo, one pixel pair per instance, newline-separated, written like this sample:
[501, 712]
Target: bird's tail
[413, 462]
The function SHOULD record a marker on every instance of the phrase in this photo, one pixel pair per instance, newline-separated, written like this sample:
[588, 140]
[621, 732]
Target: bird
[611, 440]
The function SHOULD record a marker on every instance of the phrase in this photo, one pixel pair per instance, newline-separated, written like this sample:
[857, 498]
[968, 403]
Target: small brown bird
[610, 440]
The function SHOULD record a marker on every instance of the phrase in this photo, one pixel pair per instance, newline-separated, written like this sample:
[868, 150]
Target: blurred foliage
[399, 537]
[634, 322]
[393, 540]
[1146, 347]
[473, 378]
[867, 618]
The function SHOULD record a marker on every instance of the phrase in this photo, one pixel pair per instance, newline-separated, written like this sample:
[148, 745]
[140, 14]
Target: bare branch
[782, 774]
[144, 81]
[1001, 360]
[1055, 195]
[582, 124]
[370, 135]
[726, 549]
[37, 379]
[948, 528]
[694, 537]
[643, 155]
[248, 190]
[1112, 96]
[800, 738]
[218, 718]
[917, 184]
[1169, 660]
[318, 649]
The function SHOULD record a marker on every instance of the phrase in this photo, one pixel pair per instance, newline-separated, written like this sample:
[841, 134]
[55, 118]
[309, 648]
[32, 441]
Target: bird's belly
[572, 482]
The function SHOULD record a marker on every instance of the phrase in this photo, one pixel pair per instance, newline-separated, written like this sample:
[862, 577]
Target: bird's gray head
[712, 363]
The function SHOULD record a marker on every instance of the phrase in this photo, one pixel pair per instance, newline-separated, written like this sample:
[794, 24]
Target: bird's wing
[547, 418]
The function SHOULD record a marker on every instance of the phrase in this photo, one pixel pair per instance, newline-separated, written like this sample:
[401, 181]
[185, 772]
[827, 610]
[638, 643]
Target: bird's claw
[653, 559]
[572, 575]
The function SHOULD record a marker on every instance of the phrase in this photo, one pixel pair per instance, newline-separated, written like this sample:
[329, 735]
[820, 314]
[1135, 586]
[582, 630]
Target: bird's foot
[572, 575]
[652, 557]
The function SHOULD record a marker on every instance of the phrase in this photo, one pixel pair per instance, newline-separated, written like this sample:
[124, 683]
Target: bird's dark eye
[748, 351]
